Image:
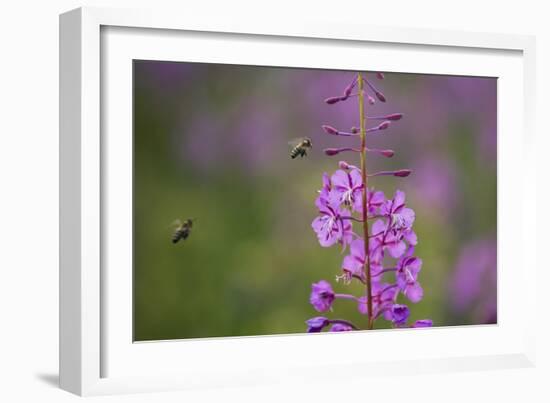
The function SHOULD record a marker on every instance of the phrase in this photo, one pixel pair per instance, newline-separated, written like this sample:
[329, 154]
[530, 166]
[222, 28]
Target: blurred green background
[210, 142]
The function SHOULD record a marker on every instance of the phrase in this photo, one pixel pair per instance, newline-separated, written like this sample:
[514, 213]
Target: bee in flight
[183, 229]
[300, 147]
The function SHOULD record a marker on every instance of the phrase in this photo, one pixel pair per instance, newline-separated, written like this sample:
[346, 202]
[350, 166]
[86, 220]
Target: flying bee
[300, 147]
[183, 229]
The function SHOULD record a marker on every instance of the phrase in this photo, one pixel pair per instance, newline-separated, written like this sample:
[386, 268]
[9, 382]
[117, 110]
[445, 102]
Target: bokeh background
[210, 142]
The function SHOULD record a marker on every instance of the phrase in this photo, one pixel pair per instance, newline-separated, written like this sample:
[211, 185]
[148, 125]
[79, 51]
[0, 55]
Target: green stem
[363, 132]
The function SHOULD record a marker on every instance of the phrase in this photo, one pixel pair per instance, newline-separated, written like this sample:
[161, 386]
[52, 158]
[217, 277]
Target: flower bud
[380, 76]
[394, 116]
[371, 100]
[387, 153]
[315, 325]
[333, 100]
[343, 165]
[330, 130]
[331, 151]
[354, 130]
[334, 151]
[423, 323]
[380, 96]
[384, 125]
[402, 173]
[349, 88]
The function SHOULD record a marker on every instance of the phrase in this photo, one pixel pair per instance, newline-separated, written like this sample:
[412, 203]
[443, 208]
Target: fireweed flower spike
[345, 199]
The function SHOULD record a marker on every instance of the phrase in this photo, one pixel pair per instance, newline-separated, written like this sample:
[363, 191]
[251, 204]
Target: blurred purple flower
[399, 314]
[340, 327]
[473, 283]
[423, 323]
[165, 78]
[321, 296]
[201, 148]
[315, 325]
[256, 128]
[435, 178]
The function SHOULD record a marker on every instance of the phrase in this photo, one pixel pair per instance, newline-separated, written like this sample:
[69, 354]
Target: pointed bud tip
[388, 153]
[380, 76]
[380, 96]
[402, 173]
[347, 91]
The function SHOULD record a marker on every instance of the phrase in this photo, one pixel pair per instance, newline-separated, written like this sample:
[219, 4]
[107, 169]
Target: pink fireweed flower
[423, 323]
[316, 324]
[347, 188]
[353, 264]
[331, 226]
[375, 199]
[383, 298]
[408, 268]
[321, 296]
[382, 239]
[325, 189]
[401, 218]
[390, 234]
[399, 314]
[340, 327]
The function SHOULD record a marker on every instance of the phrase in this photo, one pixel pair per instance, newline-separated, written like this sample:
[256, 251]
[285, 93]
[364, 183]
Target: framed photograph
[246, 202]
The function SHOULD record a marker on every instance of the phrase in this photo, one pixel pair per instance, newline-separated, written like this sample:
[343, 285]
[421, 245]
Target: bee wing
[175, 223]
[295, 141]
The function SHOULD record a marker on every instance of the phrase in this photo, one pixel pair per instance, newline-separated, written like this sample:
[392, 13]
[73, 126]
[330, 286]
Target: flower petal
[414, 292]
[340, 179]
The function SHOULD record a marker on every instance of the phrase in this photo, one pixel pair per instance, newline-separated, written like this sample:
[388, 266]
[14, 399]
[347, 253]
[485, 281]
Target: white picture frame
[97, 355]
